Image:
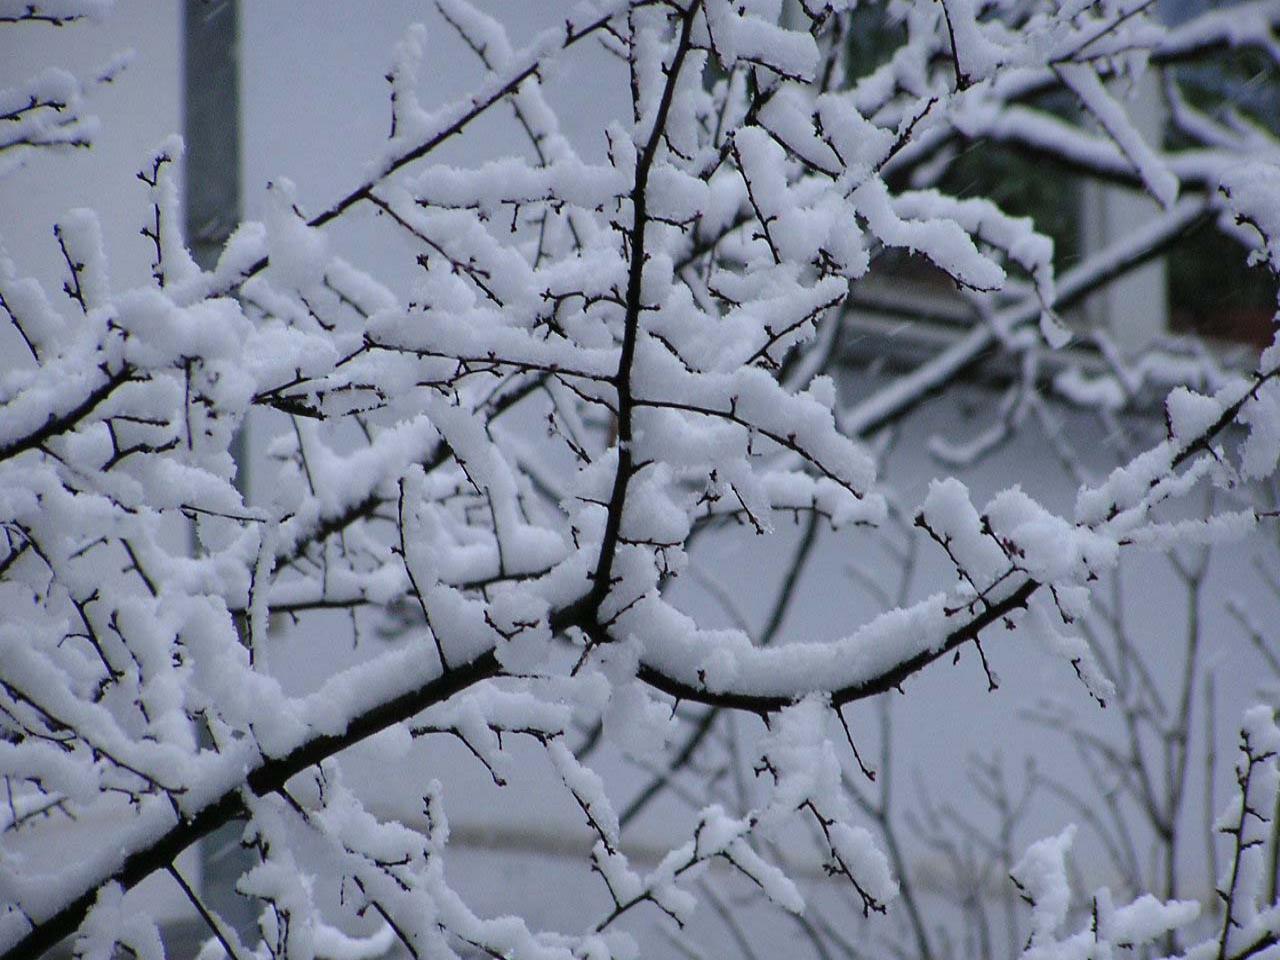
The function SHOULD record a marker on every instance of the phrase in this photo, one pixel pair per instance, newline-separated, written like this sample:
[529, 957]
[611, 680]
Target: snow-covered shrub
[47, 111]
[500, 467]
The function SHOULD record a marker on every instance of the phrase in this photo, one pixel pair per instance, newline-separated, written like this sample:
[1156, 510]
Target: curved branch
[479, 104]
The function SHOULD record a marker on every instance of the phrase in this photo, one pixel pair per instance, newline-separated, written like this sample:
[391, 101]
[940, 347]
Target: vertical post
[211, 124]
[211, 128]
[1135, 308]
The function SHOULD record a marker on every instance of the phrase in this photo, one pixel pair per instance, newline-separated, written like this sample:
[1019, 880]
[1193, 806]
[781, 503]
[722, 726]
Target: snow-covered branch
[488, 477]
